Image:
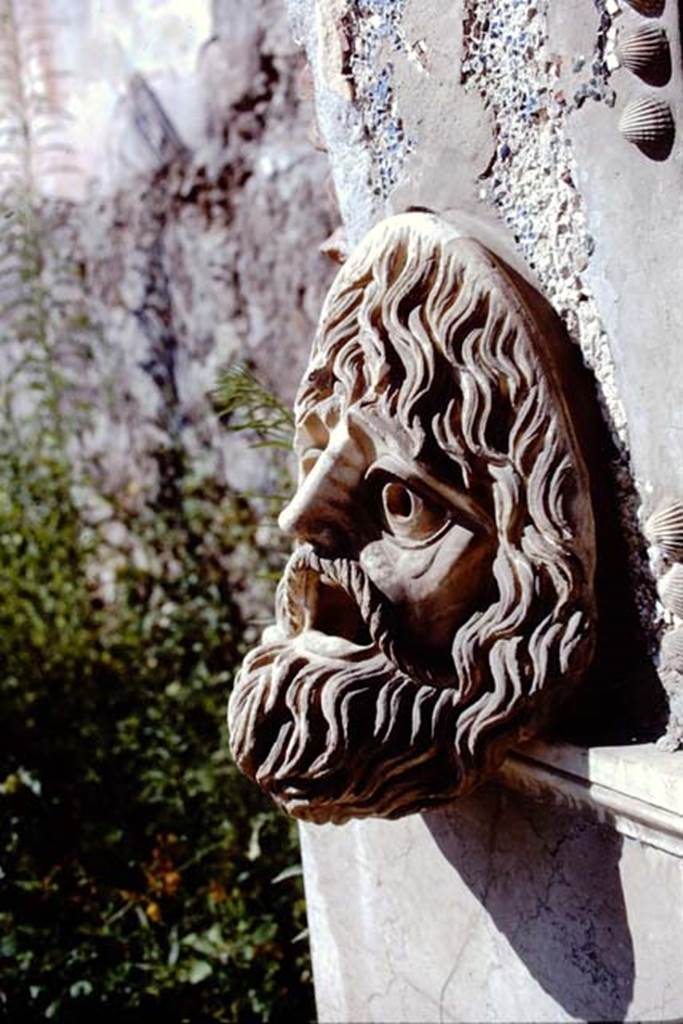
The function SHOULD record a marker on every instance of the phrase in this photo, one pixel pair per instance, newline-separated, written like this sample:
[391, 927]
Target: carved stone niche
[440, 602]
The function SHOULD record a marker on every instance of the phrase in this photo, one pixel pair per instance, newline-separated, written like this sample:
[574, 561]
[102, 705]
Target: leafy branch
[244, 403]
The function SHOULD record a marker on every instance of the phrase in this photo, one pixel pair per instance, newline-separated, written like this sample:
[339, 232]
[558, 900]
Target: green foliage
[245, 404]
[141, 876]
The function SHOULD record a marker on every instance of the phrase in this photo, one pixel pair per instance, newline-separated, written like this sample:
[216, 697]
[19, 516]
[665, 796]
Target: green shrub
[141, 876]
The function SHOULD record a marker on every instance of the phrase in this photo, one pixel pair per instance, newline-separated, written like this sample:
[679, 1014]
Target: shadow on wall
[621, 699]
[549, 880]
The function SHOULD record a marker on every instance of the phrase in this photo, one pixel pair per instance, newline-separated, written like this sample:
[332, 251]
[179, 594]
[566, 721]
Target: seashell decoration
[648, 8]
[671, 590]
[647, 121]
[665, 529]
[646, 53]
[672, 650]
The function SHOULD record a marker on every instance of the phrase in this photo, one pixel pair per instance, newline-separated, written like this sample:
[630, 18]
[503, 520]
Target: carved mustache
[332, 737]
[308, 574]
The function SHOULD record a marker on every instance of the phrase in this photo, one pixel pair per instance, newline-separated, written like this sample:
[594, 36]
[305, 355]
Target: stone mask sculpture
[440, 599]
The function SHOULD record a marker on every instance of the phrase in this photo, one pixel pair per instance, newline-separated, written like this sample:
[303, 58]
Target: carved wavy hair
[432, 330]
[429, 327]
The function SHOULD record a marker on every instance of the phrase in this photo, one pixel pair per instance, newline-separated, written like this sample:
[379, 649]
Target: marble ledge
[638, 790]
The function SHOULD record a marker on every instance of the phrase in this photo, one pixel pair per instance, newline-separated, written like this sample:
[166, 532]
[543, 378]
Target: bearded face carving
[439, 602]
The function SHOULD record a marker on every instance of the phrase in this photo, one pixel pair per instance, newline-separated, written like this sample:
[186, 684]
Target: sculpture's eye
[407, 515]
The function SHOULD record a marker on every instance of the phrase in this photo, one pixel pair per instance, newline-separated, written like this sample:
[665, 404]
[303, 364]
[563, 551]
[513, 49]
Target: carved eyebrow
[307, 436]
[315, 425]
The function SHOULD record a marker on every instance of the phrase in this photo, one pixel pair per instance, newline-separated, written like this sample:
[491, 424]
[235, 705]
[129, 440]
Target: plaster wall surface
[633, 207]
[500, 909]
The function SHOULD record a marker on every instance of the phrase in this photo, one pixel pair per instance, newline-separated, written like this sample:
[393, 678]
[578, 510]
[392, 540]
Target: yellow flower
[153, 912]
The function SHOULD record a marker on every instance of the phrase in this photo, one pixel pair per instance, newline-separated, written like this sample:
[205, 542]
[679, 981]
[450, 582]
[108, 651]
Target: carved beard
[339, 726]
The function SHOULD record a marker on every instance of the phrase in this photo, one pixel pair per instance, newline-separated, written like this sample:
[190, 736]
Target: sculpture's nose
[321, 511]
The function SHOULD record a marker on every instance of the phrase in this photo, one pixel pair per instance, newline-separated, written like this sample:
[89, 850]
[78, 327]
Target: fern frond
[245, 404]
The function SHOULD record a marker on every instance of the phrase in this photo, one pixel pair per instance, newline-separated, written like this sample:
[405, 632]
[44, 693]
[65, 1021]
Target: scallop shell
[647, 120]
[649, 8]
[665, 529]
[646, 53]
[672, 650]
[671, 590]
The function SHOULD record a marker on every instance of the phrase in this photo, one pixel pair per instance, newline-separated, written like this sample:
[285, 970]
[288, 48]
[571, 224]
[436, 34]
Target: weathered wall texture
[164, 211]
[517, 115]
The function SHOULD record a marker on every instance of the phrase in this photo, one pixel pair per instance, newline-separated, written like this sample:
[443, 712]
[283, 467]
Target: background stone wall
[183, 203]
